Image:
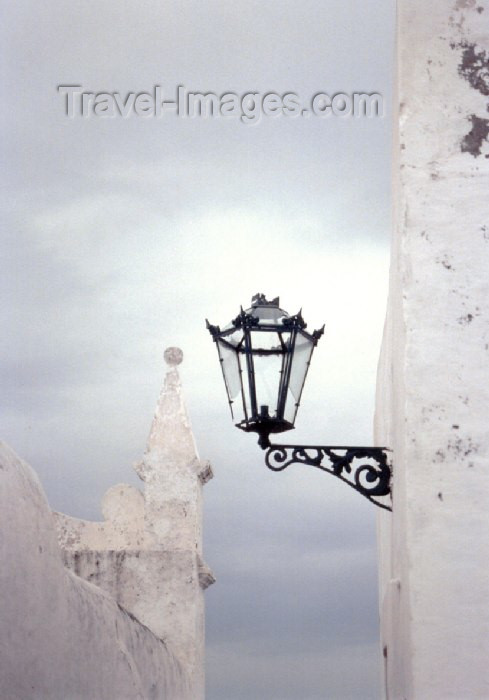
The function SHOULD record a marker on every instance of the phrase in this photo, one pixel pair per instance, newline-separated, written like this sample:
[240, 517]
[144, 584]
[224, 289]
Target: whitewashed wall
[61, 637]
[147, 553]
[110, 610]
[433, 389]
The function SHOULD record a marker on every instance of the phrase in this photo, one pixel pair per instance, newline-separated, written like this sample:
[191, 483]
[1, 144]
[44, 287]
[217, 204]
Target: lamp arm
[366, 469]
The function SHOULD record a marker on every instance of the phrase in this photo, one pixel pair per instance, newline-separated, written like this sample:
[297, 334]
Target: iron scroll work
[365, 469]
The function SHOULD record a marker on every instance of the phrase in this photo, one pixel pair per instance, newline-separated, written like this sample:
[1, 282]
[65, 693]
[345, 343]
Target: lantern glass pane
[230, 368]
[267, 349]
[266, 340]
[267, 379]
[247, 407]
[302, 355]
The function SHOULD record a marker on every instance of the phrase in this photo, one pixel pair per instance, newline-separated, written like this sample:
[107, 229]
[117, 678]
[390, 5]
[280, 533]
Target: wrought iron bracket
[366, 469]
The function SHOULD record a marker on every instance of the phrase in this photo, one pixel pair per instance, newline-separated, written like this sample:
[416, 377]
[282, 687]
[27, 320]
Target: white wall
[433, 389]
[61, 637]
[147, 553]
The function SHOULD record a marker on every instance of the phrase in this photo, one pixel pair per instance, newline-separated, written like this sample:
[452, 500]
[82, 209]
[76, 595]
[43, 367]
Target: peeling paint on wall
[474, 67]
[473, 141]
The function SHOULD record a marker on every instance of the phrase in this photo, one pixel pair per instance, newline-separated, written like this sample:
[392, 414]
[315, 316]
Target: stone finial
[173, 356]
[170, 440]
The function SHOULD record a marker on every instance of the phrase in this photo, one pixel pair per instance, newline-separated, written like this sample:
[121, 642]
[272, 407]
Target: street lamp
[264, 355]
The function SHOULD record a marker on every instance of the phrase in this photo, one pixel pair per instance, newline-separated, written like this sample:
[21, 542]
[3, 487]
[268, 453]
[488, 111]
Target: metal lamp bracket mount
[368, 470]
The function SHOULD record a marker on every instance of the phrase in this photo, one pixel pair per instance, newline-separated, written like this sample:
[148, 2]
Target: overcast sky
[121, 236]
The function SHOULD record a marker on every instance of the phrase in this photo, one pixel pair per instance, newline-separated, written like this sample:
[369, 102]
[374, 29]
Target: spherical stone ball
[173, 356]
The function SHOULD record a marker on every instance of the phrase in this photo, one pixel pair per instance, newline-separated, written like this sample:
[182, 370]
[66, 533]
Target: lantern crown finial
[261, 300]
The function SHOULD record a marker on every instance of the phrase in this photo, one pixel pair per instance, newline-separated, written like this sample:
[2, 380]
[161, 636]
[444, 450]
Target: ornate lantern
[264, 355]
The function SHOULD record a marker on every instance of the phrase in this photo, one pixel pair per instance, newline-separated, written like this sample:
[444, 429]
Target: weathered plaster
[473, 141]
[433, 393]
[148, 552]
[63, 638]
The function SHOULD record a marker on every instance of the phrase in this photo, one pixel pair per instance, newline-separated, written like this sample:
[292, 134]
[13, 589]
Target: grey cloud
[121, 236]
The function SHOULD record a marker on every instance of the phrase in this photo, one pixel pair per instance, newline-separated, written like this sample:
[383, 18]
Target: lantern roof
[264, 311]
[266, 315]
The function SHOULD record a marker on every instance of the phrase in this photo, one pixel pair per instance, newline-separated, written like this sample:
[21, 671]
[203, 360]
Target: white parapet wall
[110, 610]
[147, 553]
[433, 388]
[61, 637]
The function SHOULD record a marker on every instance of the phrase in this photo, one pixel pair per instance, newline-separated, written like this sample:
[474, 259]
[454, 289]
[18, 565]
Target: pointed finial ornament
[261, 300]
[170, 440]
